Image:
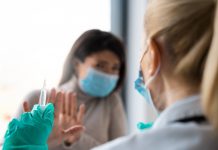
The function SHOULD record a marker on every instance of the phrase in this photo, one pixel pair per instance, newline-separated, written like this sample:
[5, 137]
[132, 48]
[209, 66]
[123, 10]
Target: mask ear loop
[149, 93]
[152, 77]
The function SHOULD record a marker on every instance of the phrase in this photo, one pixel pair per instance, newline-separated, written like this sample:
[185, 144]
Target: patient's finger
[73, 130]
[58, 104]
[26, 107]
[73, 99]
[81, 113]
[52, 95]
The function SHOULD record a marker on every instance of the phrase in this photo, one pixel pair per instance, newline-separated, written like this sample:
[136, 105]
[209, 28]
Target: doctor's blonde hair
[191, 29]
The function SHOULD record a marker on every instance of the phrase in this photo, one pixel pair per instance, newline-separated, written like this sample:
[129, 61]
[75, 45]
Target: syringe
[42, 98]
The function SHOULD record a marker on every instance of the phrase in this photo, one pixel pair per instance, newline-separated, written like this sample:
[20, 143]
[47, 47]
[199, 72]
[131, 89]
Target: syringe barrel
[42, 98]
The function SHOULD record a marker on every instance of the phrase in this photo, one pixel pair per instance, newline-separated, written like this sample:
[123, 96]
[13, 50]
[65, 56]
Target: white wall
[137, 108]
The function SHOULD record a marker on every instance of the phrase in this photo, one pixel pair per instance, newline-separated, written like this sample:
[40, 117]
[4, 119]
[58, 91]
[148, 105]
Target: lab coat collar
[187, 107]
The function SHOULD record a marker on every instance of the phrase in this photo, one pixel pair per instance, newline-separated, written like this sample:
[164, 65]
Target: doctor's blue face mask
[97, 83]
[142, 87]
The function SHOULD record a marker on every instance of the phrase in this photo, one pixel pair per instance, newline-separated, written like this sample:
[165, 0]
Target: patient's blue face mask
[97, 83]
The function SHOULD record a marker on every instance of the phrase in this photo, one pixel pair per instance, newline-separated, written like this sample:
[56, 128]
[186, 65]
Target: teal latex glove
[31, 131]
[143, 126]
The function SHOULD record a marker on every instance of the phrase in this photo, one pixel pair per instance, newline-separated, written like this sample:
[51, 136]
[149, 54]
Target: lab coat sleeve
[118, 122]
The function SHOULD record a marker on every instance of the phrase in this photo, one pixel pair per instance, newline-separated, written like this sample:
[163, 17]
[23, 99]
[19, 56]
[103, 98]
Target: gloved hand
[31, 131]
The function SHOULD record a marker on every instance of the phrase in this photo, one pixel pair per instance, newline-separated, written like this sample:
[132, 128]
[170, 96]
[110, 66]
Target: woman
[179, 75]
[94, 70]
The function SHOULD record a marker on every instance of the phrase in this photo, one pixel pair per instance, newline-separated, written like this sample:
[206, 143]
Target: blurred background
[36, 36]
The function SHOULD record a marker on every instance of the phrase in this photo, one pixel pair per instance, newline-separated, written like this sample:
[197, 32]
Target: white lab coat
[169, 134]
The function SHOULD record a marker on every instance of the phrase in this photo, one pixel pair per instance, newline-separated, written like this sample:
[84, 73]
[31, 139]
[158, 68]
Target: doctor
[179, 75]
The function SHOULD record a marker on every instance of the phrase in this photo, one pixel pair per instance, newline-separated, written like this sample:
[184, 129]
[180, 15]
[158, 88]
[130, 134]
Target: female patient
[94, 70]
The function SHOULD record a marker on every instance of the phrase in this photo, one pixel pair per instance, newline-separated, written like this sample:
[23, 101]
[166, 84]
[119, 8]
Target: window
[36, 36]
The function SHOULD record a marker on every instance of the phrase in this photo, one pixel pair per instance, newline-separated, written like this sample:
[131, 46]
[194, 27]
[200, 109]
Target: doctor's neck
[177, 90]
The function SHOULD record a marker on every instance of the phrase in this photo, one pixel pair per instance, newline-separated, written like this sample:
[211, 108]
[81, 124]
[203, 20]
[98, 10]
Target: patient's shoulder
[115, 98]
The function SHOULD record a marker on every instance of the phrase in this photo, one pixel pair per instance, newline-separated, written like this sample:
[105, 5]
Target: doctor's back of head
[179, 72]
[185, 34]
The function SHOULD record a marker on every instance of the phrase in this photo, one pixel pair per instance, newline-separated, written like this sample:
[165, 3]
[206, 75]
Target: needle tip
[44, 84]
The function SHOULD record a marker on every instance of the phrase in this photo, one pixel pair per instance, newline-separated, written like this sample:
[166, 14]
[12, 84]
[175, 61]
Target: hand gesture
[68, 121]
